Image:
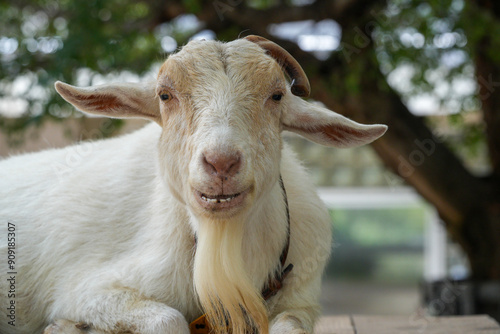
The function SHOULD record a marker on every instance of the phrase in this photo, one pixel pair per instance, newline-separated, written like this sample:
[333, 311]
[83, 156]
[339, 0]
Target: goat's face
[221, 107]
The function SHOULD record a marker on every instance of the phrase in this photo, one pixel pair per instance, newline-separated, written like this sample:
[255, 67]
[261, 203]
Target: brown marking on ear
[106, 102]
[300, 83]
[119, 101]
[90, 101]
[101, 102]
[343, 133]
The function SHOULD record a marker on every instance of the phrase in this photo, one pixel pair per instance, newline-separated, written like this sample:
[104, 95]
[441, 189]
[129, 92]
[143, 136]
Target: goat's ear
[326, 127]
[120, 100]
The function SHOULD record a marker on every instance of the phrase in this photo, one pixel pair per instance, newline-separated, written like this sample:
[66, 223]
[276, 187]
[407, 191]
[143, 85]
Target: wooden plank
[479, 324]
[340, 324]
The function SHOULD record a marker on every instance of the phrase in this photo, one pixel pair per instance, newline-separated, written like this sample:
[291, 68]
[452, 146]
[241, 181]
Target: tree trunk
[486, 236]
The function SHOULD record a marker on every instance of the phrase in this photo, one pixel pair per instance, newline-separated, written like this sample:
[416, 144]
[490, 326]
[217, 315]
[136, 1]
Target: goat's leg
[118, 311]
[63, 326]
[291, 322]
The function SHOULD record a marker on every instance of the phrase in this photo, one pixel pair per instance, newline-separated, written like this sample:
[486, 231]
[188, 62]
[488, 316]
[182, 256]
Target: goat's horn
[300, 83]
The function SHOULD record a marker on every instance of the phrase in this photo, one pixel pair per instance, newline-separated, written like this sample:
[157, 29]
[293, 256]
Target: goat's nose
[223, 165]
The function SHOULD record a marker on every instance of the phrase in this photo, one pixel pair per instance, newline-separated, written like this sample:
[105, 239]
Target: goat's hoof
[63, 326]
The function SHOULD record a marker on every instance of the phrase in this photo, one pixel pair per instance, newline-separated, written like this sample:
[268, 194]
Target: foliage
[426, 36]
[426, 49]
[44, 41]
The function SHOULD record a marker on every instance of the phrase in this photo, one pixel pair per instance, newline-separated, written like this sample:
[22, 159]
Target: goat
[184, 217]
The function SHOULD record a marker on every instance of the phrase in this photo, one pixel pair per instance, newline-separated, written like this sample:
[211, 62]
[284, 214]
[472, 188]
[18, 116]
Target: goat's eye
[277, 97]
[164, 96]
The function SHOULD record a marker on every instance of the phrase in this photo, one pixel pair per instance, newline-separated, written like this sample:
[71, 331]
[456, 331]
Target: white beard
[224, 287]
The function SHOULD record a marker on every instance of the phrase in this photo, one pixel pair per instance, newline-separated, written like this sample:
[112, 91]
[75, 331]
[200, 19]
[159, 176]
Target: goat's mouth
[219, 198]
[220, 202]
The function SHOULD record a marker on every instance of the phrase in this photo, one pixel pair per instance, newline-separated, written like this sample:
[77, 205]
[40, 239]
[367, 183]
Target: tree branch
[257, 20]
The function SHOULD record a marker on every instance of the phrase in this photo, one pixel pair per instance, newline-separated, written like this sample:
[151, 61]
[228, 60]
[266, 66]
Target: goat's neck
[266, 229]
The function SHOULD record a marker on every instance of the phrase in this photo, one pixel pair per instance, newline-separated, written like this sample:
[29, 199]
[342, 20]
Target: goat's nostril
[222, 165]
[208, 166]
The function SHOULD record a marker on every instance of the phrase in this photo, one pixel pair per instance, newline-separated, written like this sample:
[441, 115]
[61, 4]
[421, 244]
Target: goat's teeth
[217, 200]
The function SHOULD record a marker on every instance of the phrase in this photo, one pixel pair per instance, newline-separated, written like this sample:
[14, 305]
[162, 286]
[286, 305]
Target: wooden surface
[414, 324]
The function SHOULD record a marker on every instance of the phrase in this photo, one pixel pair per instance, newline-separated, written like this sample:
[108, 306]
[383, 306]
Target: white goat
[183, 217]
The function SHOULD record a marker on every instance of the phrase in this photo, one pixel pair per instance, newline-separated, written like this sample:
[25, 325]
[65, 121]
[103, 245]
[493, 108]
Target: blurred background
[416, 215]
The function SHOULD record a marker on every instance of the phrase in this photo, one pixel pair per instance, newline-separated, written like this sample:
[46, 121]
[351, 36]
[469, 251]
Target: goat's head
[222, 108]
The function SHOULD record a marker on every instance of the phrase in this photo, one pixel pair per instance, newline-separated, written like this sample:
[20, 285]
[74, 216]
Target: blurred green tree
[46, 40]
[441, 43]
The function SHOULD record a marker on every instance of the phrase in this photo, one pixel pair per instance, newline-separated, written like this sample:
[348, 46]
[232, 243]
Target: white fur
[110, 240]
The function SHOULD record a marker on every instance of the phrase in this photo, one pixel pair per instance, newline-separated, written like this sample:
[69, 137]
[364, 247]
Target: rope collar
[275, 283]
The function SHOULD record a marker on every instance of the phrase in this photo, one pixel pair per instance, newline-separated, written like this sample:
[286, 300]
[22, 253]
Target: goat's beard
[224, 287]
